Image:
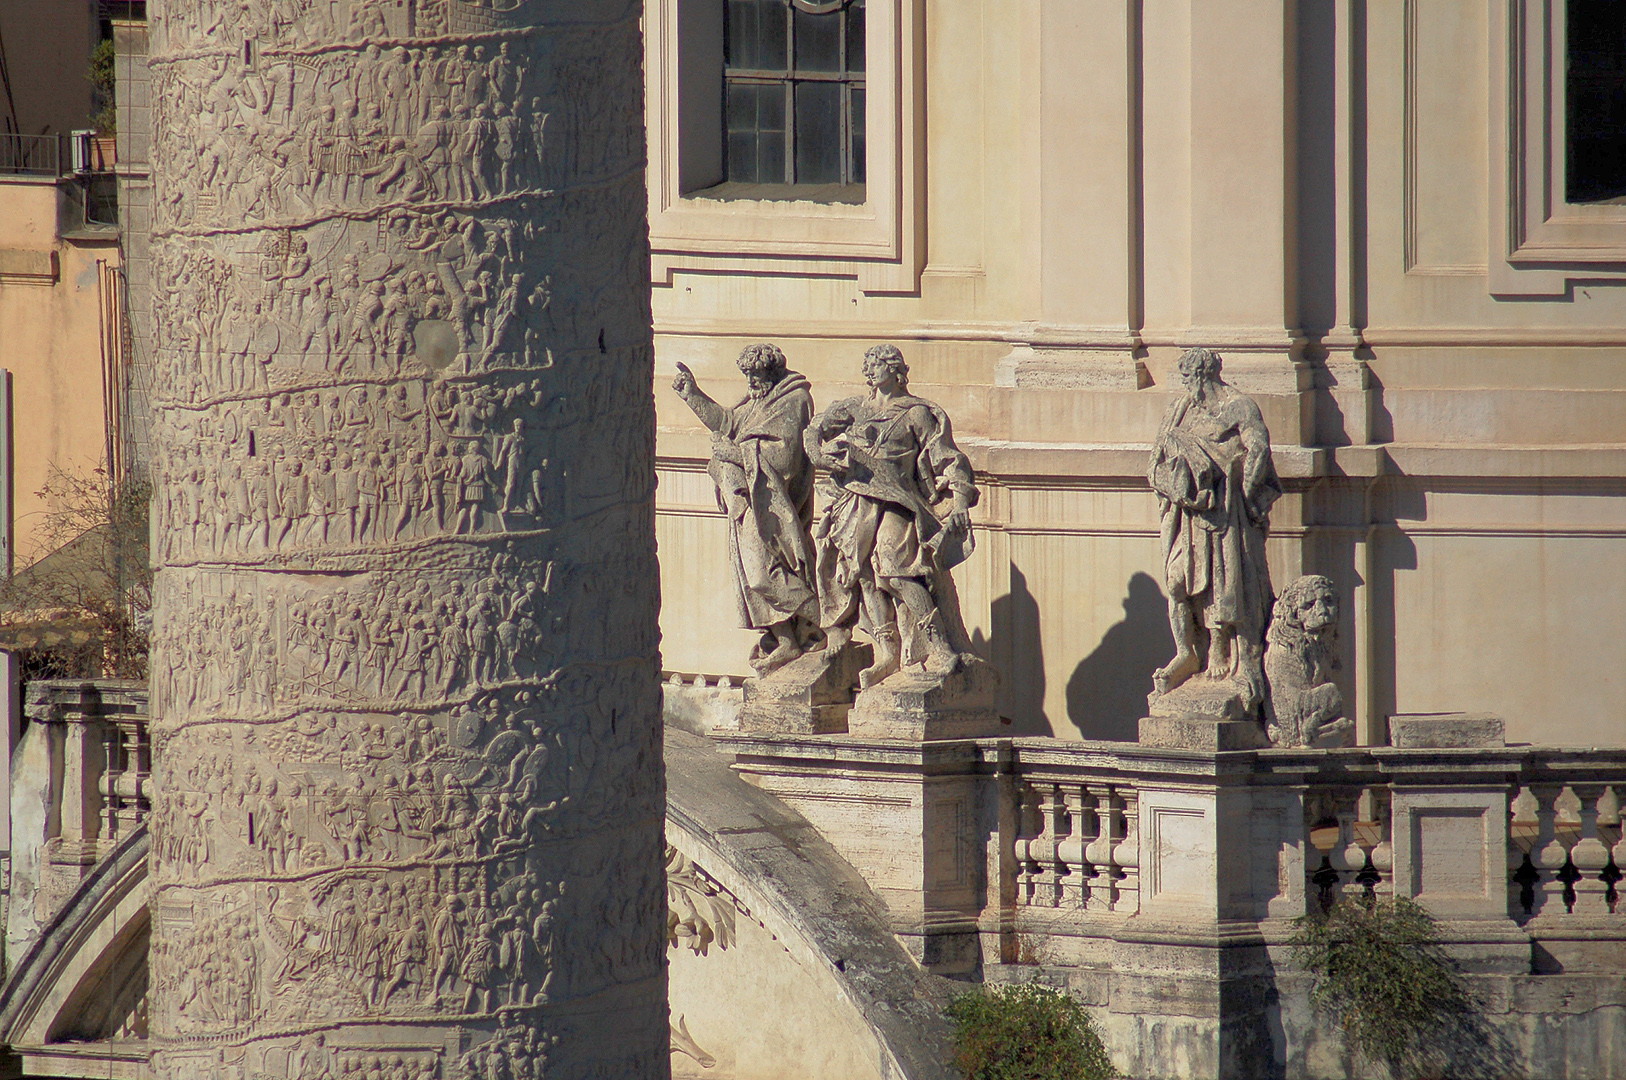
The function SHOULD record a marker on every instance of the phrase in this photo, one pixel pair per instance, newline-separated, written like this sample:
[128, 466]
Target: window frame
[1539, 241]
[788, 81]
[879, 242]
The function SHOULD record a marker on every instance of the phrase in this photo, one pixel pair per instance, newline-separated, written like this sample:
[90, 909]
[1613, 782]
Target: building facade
[1385, 216]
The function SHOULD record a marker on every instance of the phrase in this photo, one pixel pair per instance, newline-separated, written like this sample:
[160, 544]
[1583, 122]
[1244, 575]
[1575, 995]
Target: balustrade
[1077, 836]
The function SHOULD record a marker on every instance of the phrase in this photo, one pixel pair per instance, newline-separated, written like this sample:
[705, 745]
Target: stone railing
[82, 774]
[1533, 833]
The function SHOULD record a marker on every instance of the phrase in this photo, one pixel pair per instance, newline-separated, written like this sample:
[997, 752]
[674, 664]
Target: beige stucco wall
[1306, 187]
[50, 333]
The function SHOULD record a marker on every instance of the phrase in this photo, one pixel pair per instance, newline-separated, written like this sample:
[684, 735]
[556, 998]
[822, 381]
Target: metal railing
[30, 155]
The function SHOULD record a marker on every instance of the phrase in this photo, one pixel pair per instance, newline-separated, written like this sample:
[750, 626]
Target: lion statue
[1304, 708]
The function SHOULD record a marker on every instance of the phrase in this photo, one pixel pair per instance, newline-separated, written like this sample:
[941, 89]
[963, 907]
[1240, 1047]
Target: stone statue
[899, 518]
[1304, 707]
[765, 486]
[1215, 482]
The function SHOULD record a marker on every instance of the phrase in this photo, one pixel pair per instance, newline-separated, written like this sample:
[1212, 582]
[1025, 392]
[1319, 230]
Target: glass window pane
[771, 107]
[818, 133]
[1595, 93]
[855, 36]
[818, 41]
[856, 151]
[773, 51]
[741, 40]
[742, 156]
[771, 157]
[741, 107]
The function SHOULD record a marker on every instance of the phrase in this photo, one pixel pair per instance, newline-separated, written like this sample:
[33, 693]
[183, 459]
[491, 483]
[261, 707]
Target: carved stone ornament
[1305, 707]
[1215, 482]
[407, 819]
[897, 519]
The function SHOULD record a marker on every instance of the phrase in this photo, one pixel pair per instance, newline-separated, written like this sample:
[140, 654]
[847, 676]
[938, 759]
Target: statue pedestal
[811, 695]
[1201, 733]
[1213, 699]
[917, 706]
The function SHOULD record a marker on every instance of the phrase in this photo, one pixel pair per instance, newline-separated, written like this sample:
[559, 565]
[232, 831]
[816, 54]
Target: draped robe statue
[897, 521]
[1215, 482]
[765, 487]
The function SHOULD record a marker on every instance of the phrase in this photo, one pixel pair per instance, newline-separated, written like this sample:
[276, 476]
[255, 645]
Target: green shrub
[1026, 1032]
[1380, 972]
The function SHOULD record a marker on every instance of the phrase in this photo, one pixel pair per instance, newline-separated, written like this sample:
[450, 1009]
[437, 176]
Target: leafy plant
[1026, 1032]
[1380, 971]
[82, 610]
[105, 120]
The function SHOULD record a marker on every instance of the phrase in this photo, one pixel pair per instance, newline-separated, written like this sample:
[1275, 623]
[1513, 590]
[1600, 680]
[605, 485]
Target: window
[1557, 145]
[1595, 101]
[787, 137]
[793, 87]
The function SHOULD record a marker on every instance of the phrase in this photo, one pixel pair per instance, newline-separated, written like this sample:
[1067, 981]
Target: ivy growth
[1026, 1032]
[1380, 971]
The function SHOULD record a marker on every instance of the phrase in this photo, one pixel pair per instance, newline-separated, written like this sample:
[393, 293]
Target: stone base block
[1446, 731]
[916, 706]
[1214, 699]
[811, 695]
[1201, 733]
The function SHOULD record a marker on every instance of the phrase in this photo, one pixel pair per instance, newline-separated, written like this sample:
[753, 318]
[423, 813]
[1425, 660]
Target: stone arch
[85, 979]
[791, 882]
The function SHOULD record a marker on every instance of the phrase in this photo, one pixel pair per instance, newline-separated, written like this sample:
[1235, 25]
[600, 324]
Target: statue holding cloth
[765, 487]
[898, 519]
[1215, 482]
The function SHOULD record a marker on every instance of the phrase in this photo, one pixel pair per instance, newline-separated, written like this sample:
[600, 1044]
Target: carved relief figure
[1215, 482]
[765, 485]
[1304, 704]
[899, 518]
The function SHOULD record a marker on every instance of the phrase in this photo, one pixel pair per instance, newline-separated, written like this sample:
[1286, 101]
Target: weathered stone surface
[897, 520]
[404, 677]
[765, 488]
[916, 704]
[1215, 482]
[1444, 731]
[1304, 707]
[1201, 733]
[811, 695]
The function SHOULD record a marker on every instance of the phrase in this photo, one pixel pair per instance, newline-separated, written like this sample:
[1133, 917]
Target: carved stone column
[408, 810]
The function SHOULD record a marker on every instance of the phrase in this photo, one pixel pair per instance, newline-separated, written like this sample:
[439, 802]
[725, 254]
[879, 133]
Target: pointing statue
[899, 518]
[1215, 482]
[765, 487]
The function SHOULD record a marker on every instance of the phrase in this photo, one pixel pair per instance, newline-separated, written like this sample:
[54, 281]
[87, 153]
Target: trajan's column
[408, 818]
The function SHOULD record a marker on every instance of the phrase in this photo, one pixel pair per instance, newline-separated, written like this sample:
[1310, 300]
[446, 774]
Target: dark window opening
[793, 97]
[1595, 101]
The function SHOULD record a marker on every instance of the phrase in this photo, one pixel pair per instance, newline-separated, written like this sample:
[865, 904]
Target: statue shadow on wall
[1016, 648]
[1106, 696]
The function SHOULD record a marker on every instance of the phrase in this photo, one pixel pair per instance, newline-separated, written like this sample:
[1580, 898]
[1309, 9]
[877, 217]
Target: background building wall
[54, 284]
[1309, 188]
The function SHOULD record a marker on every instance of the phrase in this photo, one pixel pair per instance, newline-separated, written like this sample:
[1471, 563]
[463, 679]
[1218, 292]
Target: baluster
[1617, 857]
[1072, 875]
[1099, 852]
[112, 766]
[1382, 855]
[1126, 854]
[1322, 837]
[1029, 825]
[1055, 811]
[1346, 856]
[1547, 855]
[1521, 872]
[1368, 833]
[1589, 855]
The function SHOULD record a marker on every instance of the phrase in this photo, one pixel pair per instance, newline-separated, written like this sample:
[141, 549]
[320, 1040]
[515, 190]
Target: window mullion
[790, 94]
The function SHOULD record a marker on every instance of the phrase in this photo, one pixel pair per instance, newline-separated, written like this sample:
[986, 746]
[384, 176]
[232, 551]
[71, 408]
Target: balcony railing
[1380, 821]
[30, 155]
